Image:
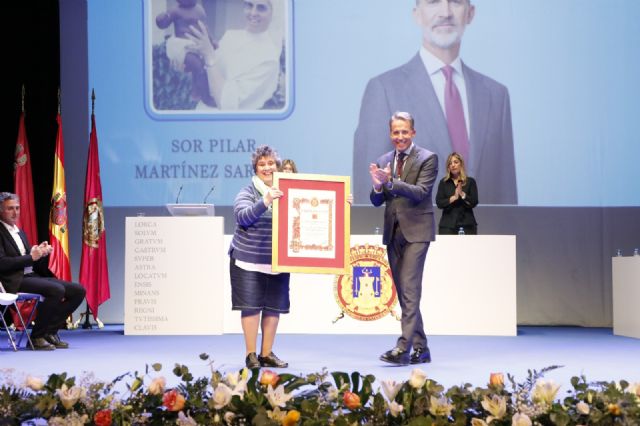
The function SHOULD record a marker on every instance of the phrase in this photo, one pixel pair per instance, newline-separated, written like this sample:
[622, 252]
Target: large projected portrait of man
[455, 108]
[215, 56]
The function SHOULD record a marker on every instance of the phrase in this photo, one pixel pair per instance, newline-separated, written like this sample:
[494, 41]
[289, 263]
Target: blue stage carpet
[594, 352]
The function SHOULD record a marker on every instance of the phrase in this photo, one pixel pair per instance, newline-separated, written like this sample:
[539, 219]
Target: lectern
[174, 274]
[191, 209]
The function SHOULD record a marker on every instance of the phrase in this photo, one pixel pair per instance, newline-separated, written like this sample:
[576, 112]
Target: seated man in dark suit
[24, 268]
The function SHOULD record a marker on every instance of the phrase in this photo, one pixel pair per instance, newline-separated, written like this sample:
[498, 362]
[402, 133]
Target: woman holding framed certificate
[256, 290]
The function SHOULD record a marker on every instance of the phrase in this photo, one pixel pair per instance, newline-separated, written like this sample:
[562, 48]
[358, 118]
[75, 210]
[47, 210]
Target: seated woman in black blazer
[457, 196]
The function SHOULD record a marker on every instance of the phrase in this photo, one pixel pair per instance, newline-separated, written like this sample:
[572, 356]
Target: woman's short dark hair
[264, 151]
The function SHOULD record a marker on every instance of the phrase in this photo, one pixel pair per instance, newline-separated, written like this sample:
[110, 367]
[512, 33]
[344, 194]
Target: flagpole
[22, 178]
[87, 324]
[93, 263]
[58, 262]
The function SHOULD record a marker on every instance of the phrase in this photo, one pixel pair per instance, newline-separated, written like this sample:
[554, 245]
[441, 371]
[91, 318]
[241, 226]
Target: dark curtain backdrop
[32, 58]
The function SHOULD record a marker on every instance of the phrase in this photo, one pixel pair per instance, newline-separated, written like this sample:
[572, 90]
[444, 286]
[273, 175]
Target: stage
[108, 353]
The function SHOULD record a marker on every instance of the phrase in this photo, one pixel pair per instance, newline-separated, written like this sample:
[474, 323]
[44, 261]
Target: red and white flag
[23, 185]
[94, 273]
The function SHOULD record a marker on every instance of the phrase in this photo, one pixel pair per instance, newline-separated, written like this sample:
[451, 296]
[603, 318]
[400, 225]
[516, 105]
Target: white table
[626, 295]
[477, 298]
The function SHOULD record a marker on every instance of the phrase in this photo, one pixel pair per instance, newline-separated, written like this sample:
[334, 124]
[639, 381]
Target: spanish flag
[24, 185]
[58, 229]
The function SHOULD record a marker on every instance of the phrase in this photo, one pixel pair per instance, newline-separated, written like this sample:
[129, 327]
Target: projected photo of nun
[220, 56]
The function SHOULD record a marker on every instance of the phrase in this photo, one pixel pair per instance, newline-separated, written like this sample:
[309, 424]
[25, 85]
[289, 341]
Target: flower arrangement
[263, 397]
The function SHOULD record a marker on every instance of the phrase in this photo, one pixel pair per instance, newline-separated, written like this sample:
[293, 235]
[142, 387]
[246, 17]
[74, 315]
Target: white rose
[520, 420]
[233, 378]
[545, 392]
[221, 396]
[582, 407]
[277, 414]
[69, 396]
[72, 419]
[157, 386]
[34, 383]
[418, 378]
[391, 389]
[440, 406]
[496, 406]
[395, 409]
[333, 393]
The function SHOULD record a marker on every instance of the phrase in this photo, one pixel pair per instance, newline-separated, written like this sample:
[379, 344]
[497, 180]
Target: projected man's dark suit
[409, 88]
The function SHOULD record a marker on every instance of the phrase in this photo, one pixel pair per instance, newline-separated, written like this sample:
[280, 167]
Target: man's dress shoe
[421, 356]
[40, 344]
[54, 339]
[396, 356]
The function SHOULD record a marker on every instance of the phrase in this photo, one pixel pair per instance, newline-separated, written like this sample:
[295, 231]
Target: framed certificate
[311, 224]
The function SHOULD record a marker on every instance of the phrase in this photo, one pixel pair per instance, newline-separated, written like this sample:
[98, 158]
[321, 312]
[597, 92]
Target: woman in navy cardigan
[256, 290]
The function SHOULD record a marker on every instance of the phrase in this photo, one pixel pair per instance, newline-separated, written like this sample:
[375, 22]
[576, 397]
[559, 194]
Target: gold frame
[275, 243]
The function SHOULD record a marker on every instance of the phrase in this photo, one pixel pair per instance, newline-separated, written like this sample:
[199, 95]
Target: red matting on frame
[283, 229]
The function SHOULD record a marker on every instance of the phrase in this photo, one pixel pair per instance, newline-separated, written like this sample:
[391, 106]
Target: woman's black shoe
[251, 361]
[272, 360]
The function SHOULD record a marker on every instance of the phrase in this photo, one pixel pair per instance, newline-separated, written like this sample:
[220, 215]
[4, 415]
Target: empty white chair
[10, 300]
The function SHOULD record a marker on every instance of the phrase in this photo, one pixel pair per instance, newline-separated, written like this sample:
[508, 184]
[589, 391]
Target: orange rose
[269, 378]
[173, 400]
[614, 409]
[496, 379]
[291, 419]
[351, 400]
[102, 418]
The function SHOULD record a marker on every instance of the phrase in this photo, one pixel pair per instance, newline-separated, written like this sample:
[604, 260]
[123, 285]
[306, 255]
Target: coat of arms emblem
[368, 293]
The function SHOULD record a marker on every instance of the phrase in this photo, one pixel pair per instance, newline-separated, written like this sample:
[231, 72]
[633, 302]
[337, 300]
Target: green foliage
[262, 397]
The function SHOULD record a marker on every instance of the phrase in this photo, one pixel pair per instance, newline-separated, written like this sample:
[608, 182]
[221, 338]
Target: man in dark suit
[403, 180]
[420, 86]
[24, 268]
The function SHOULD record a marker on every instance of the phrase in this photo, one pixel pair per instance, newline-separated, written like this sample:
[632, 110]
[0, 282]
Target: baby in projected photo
[185, 14]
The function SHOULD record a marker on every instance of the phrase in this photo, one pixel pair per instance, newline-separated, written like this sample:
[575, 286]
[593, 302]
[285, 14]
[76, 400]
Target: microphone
[208, 193]
[179, 191]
